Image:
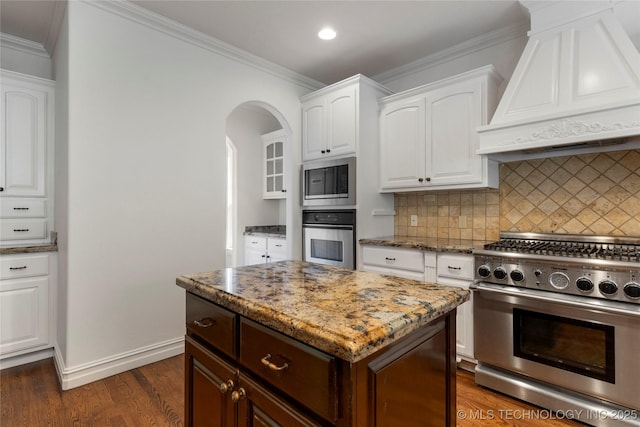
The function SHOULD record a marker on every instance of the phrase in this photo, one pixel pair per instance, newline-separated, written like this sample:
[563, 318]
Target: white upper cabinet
[26, 158]
[24, 136]
[273, 181]
[329, 123]
[428, 137]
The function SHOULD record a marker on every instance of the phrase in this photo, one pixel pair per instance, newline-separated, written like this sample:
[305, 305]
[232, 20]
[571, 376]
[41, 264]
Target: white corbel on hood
[577, 82]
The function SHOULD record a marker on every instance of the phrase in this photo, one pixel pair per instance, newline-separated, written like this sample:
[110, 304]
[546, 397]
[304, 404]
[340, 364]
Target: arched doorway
[247, 207]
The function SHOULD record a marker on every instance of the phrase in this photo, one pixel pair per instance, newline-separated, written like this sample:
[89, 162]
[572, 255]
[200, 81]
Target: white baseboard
[26, 358]
[71, 377]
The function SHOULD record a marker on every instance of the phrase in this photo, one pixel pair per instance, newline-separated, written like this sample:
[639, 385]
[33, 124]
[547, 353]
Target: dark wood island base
[269, 379]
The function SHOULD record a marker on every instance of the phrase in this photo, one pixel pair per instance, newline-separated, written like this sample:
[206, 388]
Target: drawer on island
[214, 324]
[302, 372]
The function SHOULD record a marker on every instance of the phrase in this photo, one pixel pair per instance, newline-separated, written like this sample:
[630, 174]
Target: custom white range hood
[577, 83]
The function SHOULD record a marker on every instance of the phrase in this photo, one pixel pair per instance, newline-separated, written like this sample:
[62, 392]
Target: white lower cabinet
[26, 295]
[401, 262]
[457, 270]
[261, 249]
[443, 268]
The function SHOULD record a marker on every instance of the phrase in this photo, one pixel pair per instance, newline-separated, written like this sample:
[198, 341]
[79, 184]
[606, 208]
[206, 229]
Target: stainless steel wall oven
[329, 237]
[557, 323]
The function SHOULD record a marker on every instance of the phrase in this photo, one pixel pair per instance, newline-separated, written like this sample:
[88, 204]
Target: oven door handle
[331, 226]
[550, 297]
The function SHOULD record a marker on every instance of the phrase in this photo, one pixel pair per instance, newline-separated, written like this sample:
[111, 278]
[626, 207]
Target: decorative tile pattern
[583, 194]
[470, 215]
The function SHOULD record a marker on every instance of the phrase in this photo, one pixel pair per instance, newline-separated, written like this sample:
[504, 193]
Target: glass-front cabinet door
[273, 186]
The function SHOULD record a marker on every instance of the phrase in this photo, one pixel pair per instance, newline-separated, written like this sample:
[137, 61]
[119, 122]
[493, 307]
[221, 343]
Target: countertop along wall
[581, 194]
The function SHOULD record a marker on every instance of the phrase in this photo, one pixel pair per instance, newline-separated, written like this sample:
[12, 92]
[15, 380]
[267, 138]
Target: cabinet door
[411, 390]
[274, 165]
[24, 314]
[252, 257]
[24, 133]
[208, 400]
[342, 131]
[258, 407]
[453, 114]
[314, 133]
[402, 137]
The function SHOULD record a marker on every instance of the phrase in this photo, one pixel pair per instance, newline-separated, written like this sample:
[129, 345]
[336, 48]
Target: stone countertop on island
[426, 243]
[346, 313]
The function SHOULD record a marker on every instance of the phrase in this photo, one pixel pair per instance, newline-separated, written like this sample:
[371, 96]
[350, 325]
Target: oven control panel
[618, 283]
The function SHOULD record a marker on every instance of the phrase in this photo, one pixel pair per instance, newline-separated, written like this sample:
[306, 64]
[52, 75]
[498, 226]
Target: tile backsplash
[580, 194]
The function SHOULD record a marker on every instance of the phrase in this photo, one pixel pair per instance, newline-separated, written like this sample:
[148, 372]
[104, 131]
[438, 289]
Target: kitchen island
[296, 343]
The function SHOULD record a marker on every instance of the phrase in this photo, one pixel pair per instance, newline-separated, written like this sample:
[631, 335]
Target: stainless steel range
[557, 323]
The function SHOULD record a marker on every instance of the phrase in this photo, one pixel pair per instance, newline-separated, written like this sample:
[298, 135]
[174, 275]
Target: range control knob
[538, 273]
[608, 287]
[499, 273]
[484, 271]
[517, 276]
[632, 290]
[584, 284]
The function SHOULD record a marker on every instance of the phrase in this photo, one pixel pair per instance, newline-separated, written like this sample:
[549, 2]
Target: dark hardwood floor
[152, 395]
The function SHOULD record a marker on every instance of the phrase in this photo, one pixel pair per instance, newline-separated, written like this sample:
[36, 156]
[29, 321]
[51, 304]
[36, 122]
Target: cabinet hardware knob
[283, 190]
[322, 151]
[1, 188]
[328, 150]
[24, 267]
[420, 179]
[20, 230]
[428, 179]
[264, 256]
[454, 268]
[238, 395]
[273, 367]
[204, 323]
[225, 387]
[20, 209]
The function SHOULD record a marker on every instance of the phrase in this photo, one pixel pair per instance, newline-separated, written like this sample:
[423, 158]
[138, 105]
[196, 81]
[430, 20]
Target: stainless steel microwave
[329, 182]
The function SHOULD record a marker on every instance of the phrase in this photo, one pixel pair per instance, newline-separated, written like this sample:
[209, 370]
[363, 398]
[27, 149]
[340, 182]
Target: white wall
[144, 188]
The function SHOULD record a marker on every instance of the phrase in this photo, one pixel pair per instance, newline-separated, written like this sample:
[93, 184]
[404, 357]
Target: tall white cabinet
[428, 137]
[26, 159]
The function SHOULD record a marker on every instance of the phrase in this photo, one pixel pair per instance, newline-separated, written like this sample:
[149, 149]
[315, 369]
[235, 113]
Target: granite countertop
[30, 249]
[426, 243]
[346, 313]
[266, 230]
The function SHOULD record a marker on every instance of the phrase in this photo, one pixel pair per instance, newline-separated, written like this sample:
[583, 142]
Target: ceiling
[373, 36]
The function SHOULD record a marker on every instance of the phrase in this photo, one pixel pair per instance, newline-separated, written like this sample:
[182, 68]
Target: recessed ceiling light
[327, 34]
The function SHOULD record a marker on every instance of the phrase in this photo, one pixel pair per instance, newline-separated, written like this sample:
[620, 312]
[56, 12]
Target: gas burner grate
[603, 251]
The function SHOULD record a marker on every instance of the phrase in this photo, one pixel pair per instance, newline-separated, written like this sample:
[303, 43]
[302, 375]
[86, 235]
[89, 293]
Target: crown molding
[23, 45]
[467, 47]
[51, 38]
[169, 27]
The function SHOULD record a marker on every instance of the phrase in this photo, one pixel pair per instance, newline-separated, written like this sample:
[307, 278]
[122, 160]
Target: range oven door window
[574, 345]
[328, 250]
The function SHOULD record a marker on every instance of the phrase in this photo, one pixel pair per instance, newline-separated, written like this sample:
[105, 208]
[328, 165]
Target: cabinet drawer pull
[20, 230]
[454, 268]
[238, 395]
[205, 323]
[278, 246]
[20, 209]
[273, 367]
[389, 259]
[24, 267]
[225, 387]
